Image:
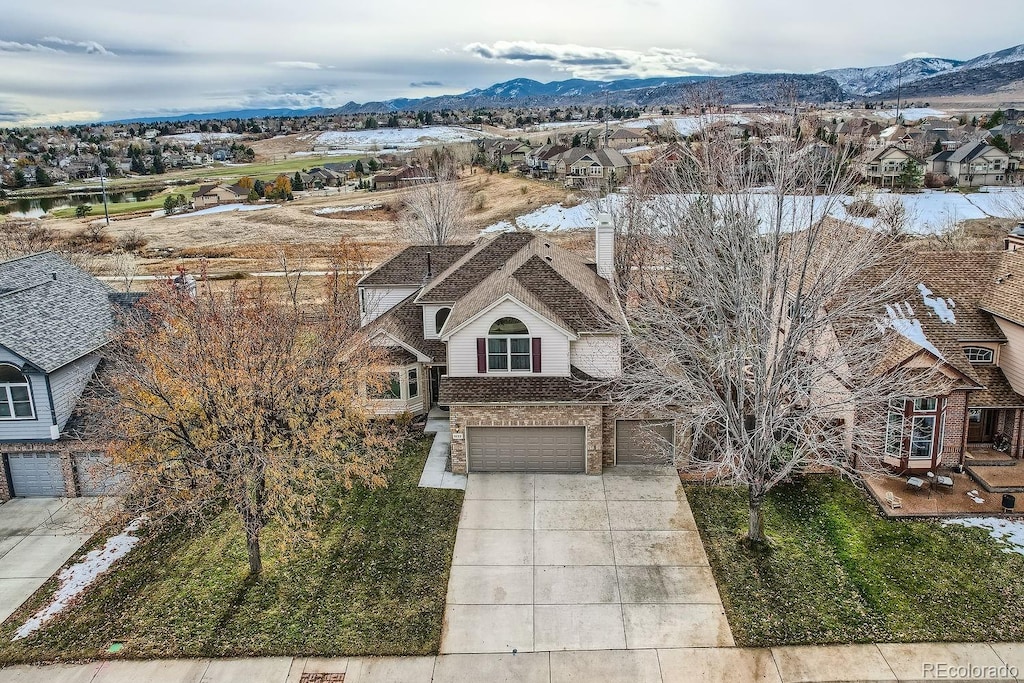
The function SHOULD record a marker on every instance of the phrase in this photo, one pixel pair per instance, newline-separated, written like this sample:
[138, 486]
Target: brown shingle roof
[1005, 295]
[473, 267]
[409, 266]
[580, 388]
[997, 392]
[404, 322]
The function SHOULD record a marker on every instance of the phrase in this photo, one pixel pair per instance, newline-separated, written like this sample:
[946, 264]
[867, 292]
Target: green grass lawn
[375, 585]
[840, 573]
[150, 204]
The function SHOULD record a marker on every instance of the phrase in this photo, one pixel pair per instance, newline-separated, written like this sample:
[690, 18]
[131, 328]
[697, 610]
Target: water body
[37, 207]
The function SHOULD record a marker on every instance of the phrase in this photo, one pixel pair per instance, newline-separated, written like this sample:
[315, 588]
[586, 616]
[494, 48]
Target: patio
[934, 501]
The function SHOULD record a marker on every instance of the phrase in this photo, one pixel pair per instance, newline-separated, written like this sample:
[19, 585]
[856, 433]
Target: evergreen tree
[912, 175]
[359, 167]
[373, 165]
[258, 187]
[297, 183]
[42, 177]
[937, 147]
[19, 178]
[158, 164]
[999, 142]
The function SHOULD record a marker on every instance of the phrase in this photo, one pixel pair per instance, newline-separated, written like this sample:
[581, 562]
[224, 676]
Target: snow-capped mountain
[1007, 56]
[877, 79]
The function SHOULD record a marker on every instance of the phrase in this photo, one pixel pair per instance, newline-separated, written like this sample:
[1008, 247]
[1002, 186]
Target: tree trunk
[755, 527]
[252, 544]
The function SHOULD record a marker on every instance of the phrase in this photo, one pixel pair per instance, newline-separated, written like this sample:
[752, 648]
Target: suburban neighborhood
[432, 343]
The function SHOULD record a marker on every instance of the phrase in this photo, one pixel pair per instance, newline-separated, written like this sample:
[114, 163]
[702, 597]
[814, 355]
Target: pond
[37, 207]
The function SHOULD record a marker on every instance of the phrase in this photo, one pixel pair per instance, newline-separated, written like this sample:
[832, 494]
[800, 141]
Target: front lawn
[841, 573]
[374, 585]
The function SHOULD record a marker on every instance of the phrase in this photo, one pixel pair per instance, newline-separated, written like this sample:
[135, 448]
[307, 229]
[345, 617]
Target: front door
[980, 425]
[435, 381]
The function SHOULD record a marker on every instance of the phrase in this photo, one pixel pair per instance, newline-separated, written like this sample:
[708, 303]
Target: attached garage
[643, 442]
[95, 475]
[527, 449]
[36, 474]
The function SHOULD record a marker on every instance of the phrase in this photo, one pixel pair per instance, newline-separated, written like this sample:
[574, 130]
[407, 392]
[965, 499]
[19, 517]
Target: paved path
[435, 475]
[921, 661]
[579, 562]
[37, 536]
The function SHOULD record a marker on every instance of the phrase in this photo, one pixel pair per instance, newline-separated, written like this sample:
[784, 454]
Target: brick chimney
[604, 246]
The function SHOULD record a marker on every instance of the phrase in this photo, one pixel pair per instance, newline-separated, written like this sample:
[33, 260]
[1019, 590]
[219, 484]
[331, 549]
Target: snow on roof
[942, 307]
[910, 328]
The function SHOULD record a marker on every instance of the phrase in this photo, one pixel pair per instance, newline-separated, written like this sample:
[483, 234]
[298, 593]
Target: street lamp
[103, 189]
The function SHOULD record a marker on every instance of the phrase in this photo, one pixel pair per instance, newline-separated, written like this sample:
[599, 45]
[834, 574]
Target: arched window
[508, 346]
[15, 395]
[979, 355]
[440, 318]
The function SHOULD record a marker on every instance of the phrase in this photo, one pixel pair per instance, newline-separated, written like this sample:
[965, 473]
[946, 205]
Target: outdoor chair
[944, 483]
[915, 484]
[893, 500]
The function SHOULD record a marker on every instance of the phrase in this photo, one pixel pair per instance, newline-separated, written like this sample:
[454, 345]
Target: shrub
[133, 240]
[862, 208]
[82, 210]
[479, 201]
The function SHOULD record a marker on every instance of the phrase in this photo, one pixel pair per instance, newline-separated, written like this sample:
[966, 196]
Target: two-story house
[596, 169]
[965, 319]
[972, 165]
[514, 335]
[55, 320]
[214, 194]
[884, 166]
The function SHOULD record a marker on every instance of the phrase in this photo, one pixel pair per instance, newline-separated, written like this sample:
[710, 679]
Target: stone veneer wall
[580, 415]
[67, 465]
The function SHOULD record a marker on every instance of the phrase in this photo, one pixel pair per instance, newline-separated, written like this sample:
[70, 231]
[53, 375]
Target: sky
[65, 61]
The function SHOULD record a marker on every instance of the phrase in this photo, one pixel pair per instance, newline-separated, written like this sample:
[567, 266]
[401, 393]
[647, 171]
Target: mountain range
[919, 77]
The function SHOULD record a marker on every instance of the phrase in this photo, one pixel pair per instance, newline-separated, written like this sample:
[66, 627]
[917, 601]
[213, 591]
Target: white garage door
[640, 442]
[96, 476]
[527, 449]
[36, 474]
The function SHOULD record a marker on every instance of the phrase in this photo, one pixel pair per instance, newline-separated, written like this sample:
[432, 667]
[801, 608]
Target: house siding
[430, 320]
[554, 342]
[597, 355]
[376, 301]
[38, 427]
[68, 383]
[1011, 356]
[588, 416]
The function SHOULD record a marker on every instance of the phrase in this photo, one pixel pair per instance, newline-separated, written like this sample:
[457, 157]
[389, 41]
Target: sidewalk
[913, 662]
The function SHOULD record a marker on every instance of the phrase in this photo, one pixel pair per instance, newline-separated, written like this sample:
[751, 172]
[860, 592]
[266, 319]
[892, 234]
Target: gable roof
[404, 323]
[973, 150]
[53, 313]
[472, 268]
[409, 266]
[1004, 294]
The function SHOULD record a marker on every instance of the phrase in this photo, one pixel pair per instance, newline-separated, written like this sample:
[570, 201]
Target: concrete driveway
[37, 536]
[577, 562]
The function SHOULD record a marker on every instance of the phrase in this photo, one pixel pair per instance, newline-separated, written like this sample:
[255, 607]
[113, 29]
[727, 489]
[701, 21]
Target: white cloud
[919, 55]
[310, 66]
[597, 62]
[91, 47]
[13, 46]
[53, 119]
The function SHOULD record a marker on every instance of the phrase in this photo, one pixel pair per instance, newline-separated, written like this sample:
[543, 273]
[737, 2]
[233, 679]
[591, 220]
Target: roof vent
[53, 275]
[548, 259]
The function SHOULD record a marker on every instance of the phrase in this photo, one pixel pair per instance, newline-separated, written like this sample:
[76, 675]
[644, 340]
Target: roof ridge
[25, 256]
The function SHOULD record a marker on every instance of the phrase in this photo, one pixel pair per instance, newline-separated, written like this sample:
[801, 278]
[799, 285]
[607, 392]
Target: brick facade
[581, 415]
[954, 437]
[66, 451]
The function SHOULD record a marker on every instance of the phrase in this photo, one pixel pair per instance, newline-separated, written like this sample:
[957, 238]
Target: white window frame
[412, 383]
[7, 396]
[507, 353]
[974, 354]
[439, 325]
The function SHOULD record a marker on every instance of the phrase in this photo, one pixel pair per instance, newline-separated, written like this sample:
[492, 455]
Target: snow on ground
[911, 114]
[395, 138]
[638, 148]
[929, 211]
[1007, 532]
[74, 580]
[553, 125]
[345, 209]
[226, 207]
[197, 138]
[688, 125]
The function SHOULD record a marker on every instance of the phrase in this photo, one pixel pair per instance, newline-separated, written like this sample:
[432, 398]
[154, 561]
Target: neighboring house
[56, 319]
[965, 316]
[600, 169]
[541, 161]
[401, 177]
[510, 334]
[972, 165]
[214, 194]
[624, 138]
[884, 166]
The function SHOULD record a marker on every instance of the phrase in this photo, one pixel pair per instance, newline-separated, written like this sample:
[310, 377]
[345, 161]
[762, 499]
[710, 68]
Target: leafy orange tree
[237, 399]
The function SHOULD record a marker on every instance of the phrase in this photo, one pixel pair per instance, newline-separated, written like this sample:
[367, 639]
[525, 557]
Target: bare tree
[126, 269]
[759, 338]
[894, 218]
[436, 207]
[1010, 202]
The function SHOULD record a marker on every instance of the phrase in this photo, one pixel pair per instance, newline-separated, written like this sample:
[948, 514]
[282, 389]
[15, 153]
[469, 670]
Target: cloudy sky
[65, 60]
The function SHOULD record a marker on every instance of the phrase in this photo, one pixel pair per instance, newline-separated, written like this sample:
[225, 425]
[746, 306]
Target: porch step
[999, 477]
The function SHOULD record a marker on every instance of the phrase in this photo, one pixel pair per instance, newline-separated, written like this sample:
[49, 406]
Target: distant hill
[237, 114]
[877, 79]
[978, 81]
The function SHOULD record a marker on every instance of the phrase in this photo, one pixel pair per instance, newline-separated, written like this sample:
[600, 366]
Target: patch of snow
[911, 114]
[910, 328]
[395, 138]
[942, 307]
[224, 208]
[345, 209]
[689, 125]
[638, 148]
[74, 580]
[198, 138]
[500, 226]
[1008, 532]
